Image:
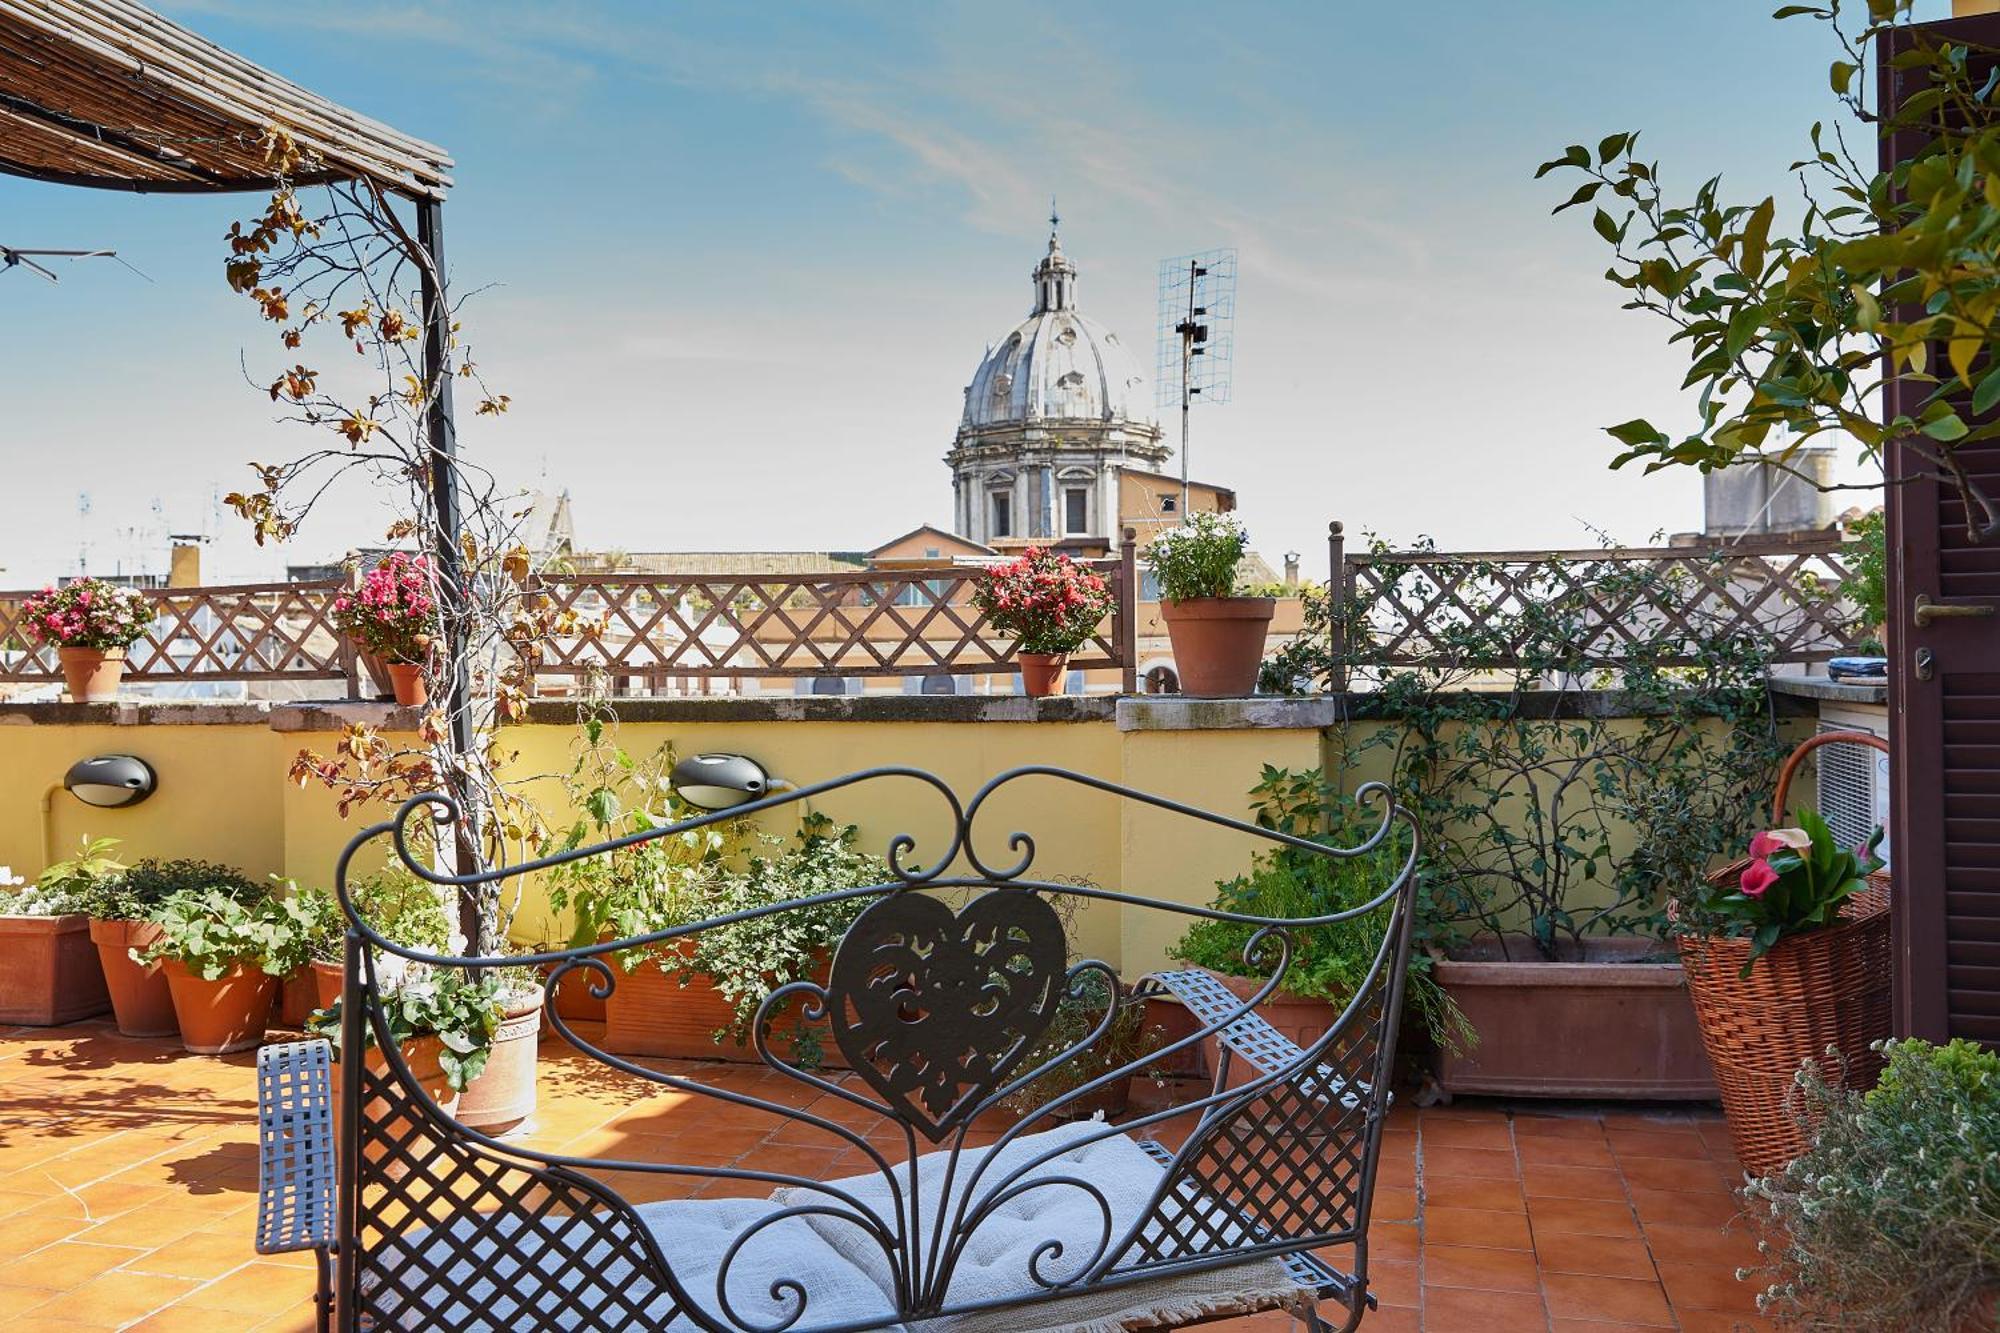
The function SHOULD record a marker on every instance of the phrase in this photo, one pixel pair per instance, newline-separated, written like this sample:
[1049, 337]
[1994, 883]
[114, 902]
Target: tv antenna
[11, 258]
[1197, 342]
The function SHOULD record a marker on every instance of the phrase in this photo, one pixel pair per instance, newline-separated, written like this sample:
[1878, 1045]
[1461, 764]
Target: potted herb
[223, 960]
[49, 972]
[444, 1023]
[1787, 958]
[1890, 1218]
[1218, 637]
[1129, 1039]
[703, 991]
[393, 615]
[121, 901]
[1049, 605]
[1327, 962]
[91, 623]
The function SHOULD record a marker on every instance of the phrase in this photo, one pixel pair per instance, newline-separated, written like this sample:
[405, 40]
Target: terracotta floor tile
[1582, 1126]
[1683, 1144]
[115, 1299]
[1480, 1268]
[1473, 1192]
[1611, 1299]
[1697, 1208]
[1485, 1132]
[1462, 1310]
[1397, 1283]
[1590, 1217]
[1573, 1182]
[1393, 1241]
[1395, 1205]
[1717, 1321]
[16, 1299]
[1689, 1175]
[1557, 1150]
[1476, 1226]
[202, 1255]
[1597, 1326]
[1708, 1287]
[66, 1264]
[254, 1289]
[1719, 1246]
[1592, 1256]
[1487, 1163]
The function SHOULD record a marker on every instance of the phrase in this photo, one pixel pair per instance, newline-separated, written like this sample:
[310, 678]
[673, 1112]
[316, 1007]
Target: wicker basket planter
[1819, 990]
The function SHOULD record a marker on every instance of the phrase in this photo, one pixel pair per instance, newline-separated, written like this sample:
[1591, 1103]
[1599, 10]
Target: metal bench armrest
[1249, 1038]
[295, 1175]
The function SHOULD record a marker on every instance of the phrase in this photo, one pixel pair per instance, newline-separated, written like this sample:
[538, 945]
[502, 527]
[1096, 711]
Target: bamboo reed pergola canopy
[107, 93]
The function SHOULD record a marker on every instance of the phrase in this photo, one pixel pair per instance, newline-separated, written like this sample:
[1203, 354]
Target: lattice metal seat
[295, 1170]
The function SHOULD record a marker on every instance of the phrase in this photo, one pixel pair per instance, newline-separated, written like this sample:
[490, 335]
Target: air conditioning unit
[1853, 779]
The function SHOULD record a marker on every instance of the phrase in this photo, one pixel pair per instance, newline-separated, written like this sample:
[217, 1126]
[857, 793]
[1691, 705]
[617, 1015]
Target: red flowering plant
[394, 612]
[88, 613]
[1796, 880]
[1044, 600]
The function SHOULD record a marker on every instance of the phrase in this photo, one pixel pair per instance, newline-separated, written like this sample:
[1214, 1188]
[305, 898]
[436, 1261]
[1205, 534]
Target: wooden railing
[241, 632]
[641, 630]
[1610, 606]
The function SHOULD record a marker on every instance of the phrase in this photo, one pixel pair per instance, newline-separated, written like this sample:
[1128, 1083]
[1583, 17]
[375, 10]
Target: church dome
[1058, 364]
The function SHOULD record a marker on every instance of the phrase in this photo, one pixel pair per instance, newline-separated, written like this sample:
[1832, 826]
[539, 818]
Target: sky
[736, 263]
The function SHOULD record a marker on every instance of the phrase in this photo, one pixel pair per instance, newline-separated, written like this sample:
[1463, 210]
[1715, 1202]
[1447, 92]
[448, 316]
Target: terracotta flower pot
[141, 1001]
[92, 673]
[421, 1054]
[572, 999]
[1041, 673]
[408, 680]
[375, 669]
[328, 978]
[1614, 1021]
[228, 1014]
[503, 1096]
[1218, 643]
[650, 1013]
[49, 972]
[298, 996]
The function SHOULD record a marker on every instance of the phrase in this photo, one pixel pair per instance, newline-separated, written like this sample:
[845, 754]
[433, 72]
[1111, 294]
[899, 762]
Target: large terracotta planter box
[1618, 1024]
[650, 1013]
[49, 973]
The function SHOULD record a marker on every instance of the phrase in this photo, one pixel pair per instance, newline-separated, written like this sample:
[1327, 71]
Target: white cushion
[995, 1262]
[497, 1293]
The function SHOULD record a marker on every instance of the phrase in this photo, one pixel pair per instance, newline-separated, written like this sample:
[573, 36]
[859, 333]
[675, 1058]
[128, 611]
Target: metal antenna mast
[1197, 338]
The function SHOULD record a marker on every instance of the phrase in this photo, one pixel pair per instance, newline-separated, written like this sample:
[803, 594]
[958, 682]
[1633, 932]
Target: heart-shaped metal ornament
[934, 1009]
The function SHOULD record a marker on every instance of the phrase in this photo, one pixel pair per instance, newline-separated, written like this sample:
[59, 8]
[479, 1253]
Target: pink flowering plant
[1044, 600]
[1797, 880]
[88, 613]
[394, 612]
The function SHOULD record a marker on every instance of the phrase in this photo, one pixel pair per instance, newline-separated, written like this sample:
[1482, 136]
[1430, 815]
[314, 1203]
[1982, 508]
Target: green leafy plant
[1797, 880]
[146, 884]
[462, 1012]
[1869, 586]
[1198, 558]
[316, 917]
[1794, 327]
[646, 887]
[404, 909]
[210, 932]
[1327, 962]
[1128, 1039]
[78, 883]
[1891, 1218]
[747, 960]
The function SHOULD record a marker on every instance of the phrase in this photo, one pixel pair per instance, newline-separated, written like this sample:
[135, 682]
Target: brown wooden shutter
[1944, 729]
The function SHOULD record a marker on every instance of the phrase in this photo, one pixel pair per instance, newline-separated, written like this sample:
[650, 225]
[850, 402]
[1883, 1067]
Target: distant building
[1761, 499]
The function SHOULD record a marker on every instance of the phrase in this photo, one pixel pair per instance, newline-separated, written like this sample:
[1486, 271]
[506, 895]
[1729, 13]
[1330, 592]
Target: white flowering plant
[1199, 558]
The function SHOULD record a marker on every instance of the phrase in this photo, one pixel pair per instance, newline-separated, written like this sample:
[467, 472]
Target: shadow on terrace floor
[127, 1179]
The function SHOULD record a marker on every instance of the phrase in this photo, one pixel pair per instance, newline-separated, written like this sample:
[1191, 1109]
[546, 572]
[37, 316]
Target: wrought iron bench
[937, 992]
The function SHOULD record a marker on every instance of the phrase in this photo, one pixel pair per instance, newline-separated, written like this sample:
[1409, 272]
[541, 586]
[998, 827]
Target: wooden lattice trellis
[1611, 606]
[252, 631]
[863, 623]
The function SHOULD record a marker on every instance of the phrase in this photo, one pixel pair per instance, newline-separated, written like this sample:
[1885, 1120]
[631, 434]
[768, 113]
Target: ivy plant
[462, 1012]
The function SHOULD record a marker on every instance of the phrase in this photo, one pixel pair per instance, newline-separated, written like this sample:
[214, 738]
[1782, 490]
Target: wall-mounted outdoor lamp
[111, 780]
[720, 781]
